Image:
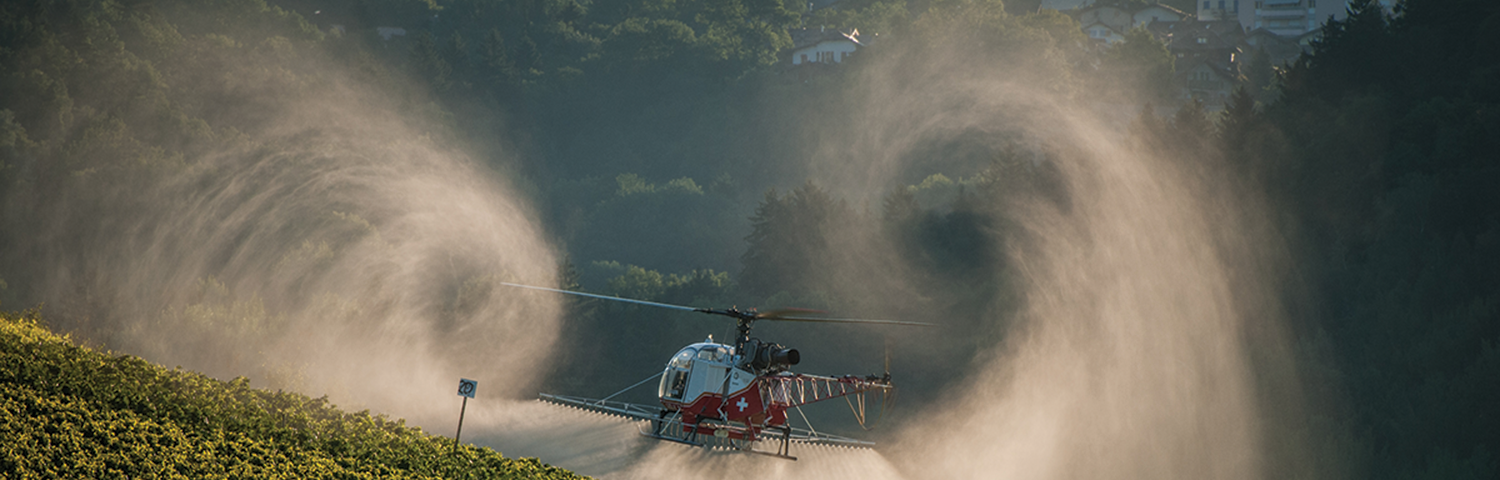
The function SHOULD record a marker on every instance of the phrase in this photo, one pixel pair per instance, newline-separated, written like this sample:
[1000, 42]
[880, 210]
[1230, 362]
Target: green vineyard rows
[72, 412]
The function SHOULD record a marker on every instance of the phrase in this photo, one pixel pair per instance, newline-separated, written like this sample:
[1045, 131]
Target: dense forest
[668, 153]
[1381, 151]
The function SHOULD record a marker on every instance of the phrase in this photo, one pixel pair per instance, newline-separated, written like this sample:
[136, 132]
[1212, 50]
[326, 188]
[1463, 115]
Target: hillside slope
[73, 412]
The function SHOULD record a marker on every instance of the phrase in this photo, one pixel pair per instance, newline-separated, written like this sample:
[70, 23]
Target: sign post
[466, 389]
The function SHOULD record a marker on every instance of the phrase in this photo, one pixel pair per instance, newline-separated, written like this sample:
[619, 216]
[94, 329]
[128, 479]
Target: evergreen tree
[456, 53]
[1259, 75]
[529, 57]
[1190, 129]
[498, 67]
[1352, 53]
[430, 62]
[789, 240]
[900, 207]
[1238, 119]
[1142, 63]
[1147, 127]
[568, 276]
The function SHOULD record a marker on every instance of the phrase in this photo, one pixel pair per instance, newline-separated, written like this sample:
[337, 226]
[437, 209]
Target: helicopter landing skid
[770, 454]
[672, 423]
[654, 422]
[671, 439]
[782, 451]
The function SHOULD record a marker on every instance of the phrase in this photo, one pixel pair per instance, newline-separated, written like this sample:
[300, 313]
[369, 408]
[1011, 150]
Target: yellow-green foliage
[72, 412]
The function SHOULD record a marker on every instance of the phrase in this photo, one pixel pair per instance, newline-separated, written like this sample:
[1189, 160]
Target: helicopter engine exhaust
[785, 356]
[772, 357]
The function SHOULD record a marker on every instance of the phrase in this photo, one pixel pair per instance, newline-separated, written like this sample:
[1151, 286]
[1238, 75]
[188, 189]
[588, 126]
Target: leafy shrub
[73, 412]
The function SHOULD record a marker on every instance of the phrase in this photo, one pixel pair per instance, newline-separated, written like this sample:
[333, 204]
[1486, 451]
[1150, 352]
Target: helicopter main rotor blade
[606, 297]
[783, 312]
[847, 320]
[742, 315]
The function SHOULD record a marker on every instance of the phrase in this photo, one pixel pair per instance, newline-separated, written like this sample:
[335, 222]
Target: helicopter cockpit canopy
[675, 379]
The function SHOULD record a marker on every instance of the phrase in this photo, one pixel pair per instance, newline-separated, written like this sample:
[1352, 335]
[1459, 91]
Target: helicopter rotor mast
[742, 323]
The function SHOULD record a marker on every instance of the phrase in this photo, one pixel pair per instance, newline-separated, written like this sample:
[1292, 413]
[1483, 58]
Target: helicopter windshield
[713, 354]
[683, 359]
[674, 379]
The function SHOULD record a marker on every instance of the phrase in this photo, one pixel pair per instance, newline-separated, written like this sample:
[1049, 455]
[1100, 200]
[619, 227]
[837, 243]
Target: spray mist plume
[343, 251]
[1144, 286]
[1129, 355]
[339, 248]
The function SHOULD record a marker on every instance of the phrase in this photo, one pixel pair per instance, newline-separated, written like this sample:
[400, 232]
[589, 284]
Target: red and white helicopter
[719, 395]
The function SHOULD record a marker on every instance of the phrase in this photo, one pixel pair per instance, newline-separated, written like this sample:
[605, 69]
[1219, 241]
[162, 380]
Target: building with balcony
[1289, 18]
[1206, 81]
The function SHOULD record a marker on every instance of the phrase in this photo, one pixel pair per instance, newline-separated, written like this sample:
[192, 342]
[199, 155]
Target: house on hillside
[1289, 18]
[1215, 41]
[823, 46]
[1155, 13]
[1280, 49]
[1208, 47]
[1109, 23]
[1207, 82]
[1104, 23]
[1207, 57]
[1100, 32]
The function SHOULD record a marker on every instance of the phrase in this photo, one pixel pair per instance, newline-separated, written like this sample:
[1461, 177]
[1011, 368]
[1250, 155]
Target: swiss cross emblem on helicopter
[732, 396]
